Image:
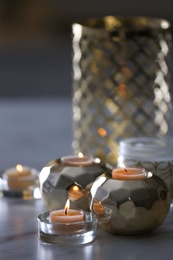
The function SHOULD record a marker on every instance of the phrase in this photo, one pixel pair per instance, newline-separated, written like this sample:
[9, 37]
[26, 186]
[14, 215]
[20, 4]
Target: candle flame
[122, 89]
[102, 132]
[19, 168]
[80, 155]
[75, 188]
[97, 160]
[123, 167]
[67, 206]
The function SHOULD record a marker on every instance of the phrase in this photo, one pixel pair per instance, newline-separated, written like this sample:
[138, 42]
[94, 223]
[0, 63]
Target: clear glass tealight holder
[67, 233]
[23, 185]
[153, 154]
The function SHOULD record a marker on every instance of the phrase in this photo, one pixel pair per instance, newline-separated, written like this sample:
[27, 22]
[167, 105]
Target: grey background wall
[35, 40]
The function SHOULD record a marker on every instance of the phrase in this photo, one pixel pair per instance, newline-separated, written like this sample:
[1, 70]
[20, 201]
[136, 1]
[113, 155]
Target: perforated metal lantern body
[60, 182]
[129, 207]
[121, 83]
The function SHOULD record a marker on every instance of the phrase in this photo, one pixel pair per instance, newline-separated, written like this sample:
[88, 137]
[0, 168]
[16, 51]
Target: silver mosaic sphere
[129, 207]
[59, 182]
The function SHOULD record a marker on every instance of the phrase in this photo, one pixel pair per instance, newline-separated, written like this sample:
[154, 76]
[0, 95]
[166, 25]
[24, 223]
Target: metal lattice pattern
[121, 89]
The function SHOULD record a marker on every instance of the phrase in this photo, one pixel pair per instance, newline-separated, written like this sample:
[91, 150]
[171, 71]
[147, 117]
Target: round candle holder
[129, 207]
[67, 233]
[26, 189]
[59, 181]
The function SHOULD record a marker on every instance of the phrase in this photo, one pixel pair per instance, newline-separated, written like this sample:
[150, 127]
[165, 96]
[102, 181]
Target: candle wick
[125, 169]
[65, 211]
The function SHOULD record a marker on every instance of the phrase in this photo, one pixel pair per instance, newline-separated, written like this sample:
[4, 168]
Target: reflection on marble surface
[19, 238]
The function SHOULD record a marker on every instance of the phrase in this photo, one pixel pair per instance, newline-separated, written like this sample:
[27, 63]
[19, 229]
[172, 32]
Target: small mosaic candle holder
[70, 177]
[129, 202]
[20, 182]
[67, 233]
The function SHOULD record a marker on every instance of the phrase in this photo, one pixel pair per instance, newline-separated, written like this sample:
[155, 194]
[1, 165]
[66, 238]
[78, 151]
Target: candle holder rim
[136, 167]
[46, 220]
[94, 162]
[108, 174]
[146, 143]
[124, 22]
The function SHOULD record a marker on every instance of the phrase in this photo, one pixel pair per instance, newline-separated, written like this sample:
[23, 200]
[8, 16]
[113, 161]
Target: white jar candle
[153, 154]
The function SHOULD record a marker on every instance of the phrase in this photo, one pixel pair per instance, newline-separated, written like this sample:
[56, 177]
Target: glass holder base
[67, 233]
[27, 193]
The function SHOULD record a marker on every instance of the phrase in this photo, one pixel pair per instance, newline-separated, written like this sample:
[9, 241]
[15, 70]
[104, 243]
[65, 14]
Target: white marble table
[33, 132]
[19, 239]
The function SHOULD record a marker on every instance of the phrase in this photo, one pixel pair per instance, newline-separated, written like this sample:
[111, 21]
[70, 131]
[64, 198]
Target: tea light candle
[66, 228]
[67, 215]
[19, 177]
[130, 173]
[98, 208]
[77, 160]
[75, 192]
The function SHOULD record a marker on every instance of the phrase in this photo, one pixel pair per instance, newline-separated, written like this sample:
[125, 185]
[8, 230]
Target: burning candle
[67, 226]
[67, 215]
[130, 173]
[75, 192]
[77, 160]
[98, 208]
[19, 177]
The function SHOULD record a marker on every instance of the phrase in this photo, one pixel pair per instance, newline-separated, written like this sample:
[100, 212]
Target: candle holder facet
[67, 233]
[129, 207]
[60, 182]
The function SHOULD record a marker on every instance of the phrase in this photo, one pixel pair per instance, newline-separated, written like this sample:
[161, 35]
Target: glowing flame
[80, 155]
[75, 192]
[102, 132]
[122, 89]
[67, 206]
[75, 188]
[97, 160]
[19, 168]
[123, 167]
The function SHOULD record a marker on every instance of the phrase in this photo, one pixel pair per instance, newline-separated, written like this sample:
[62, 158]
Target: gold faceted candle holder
[69, 178]
[121, 82]
[129, 206]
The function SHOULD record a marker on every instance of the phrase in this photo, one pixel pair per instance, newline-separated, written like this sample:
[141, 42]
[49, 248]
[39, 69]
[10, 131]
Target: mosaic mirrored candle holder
[69, 177]
[67, 233]
[20, 182]
[115, 58]
[132, 206]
